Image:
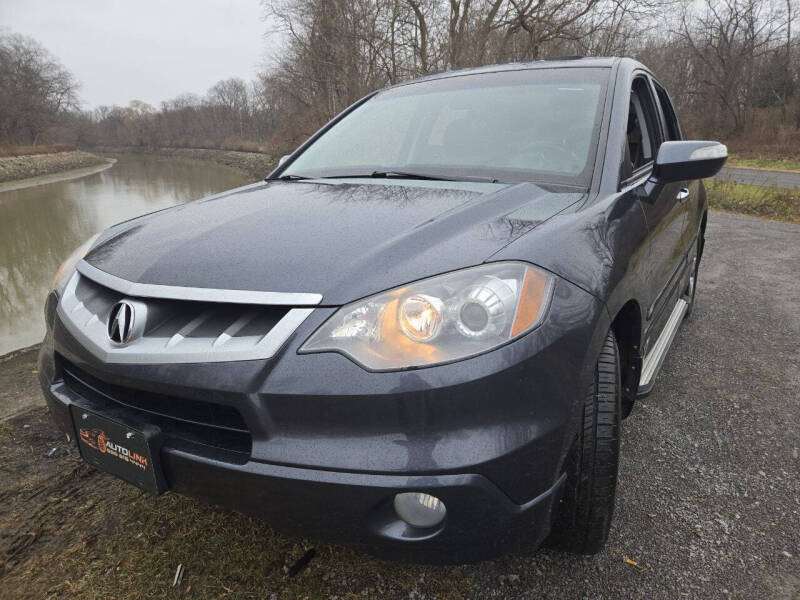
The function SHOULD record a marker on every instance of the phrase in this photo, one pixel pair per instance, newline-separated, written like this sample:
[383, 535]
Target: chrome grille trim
[173, 292]
[86, 320]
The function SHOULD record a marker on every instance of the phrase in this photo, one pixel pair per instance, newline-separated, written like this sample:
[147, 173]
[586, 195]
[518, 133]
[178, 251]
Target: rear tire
[582, 519]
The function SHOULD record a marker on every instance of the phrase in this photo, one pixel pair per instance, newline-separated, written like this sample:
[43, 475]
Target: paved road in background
[782, 179]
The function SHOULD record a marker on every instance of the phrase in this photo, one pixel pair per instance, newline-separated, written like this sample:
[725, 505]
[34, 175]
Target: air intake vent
[192, 421]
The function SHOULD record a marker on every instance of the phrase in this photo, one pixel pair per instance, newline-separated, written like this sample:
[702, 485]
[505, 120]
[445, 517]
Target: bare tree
[36, 91]
[230, 106]
[727, 39]
[731, 65]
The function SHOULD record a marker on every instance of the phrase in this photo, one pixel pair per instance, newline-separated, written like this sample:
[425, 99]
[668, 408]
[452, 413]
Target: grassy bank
[38, 149]
[770, 163]
[13, 168]
[771, 203]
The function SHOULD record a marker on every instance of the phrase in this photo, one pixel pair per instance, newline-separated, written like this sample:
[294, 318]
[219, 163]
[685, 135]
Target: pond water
[41, 225]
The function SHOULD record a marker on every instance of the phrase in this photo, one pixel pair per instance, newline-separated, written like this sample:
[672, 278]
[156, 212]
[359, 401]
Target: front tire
[583, 517]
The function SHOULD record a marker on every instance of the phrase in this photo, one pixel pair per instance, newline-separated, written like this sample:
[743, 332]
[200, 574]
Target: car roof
[569, 62]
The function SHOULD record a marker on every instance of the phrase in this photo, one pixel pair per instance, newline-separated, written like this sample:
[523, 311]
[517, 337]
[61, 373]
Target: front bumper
[332, 444]
[355, 508]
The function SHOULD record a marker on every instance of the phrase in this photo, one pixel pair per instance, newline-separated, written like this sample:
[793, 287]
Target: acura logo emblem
[120, 322]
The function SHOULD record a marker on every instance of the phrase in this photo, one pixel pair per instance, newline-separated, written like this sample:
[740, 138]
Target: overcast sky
[149, 50]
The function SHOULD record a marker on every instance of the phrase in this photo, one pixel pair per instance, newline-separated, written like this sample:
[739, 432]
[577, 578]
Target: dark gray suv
[419, 334]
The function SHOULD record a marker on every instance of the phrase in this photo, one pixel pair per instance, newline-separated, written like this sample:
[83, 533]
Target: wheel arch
[627, 328]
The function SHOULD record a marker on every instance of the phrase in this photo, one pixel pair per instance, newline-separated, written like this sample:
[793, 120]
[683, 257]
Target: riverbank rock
[13, 168]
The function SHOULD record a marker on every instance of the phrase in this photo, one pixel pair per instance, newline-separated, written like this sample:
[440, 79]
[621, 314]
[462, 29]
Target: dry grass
[39, 149]
[767, 141]
[771, 203]
[764, 162]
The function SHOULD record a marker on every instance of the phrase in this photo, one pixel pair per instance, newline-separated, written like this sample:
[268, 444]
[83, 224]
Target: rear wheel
[583, 518]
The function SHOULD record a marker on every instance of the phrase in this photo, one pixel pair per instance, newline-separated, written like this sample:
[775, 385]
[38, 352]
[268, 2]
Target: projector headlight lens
[437, 320]
[421, 317]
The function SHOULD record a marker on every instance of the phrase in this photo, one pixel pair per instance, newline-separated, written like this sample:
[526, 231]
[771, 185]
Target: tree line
[732, 67]
[36, 91]
[233, 114]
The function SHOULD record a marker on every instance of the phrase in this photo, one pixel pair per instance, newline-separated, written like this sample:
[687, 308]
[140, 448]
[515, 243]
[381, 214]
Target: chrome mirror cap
[685, 160]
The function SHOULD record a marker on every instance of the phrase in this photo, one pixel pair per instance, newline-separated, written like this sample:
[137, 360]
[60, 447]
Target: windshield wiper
[408, 175]
[290, 178]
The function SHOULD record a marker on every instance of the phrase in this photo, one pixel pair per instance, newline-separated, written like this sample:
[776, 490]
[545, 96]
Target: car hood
[344, 239]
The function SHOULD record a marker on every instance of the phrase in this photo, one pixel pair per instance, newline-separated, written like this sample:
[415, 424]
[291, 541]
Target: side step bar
[655, 358]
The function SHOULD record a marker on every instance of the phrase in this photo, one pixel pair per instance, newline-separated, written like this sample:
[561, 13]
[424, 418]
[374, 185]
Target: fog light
[419, 510]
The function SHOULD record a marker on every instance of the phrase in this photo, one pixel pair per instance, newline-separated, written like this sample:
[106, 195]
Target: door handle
[683, 194]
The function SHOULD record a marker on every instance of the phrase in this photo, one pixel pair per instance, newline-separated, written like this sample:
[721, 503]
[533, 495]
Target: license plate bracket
[129, 452]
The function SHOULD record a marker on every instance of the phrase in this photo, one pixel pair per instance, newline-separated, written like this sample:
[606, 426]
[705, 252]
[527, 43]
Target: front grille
[186, 330]
[196, 330]
[195, 422]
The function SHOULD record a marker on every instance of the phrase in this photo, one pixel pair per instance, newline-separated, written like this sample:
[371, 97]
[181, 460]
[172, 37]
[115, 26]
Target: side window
[642, 130]
[673, 128]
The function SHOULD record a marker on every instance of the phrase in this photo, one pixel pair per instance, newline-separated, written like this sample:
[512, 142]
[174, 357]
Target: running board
[655, 358]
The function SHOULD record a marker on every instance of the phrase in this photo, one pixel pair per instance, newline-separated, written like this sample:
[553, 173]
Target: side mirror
[283, 159]
[680, 161]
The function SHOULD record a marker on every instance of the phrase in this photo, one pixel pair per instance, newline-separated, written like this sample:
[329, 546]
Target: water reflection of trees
[389, 193]
[40, 226]
[156, 178]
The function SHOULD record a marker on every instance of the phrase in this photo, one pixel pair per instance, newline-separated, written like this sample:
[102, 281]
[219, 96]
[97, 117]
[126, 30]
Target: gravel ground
[762, 177]
[709, 493]
[708, 502]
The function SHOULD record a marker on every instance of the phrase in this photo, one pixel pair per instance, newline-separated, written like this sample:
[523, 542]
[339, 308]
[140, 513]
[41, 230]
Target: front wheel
[583, 517]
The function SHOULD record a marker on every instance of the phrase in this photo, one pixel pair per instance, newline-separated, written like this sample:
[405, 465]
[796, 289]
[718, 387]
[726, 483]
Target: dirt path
[708, 504]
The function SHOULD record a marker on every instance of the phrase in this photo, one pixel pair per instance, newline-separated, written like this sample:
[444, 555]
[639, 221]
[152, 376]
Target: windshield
[527, 125]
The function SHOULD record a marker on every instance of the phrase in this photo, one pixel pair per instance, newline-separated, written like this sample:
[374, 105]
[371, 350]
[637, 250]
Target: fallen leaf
[631, 562]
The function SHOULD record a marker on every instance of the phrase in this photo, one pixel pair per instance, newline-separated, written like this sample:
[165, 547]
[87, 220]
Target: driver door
[662, 206]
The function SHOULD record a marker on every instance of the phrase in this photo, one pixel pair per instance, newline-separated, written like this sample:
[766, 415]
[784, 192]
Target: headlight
[438, 320]
[68, 266]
